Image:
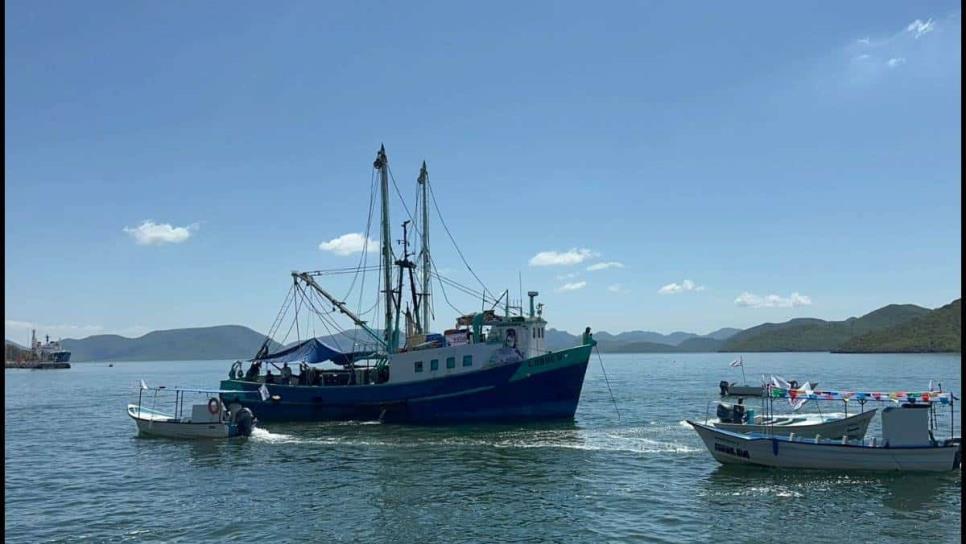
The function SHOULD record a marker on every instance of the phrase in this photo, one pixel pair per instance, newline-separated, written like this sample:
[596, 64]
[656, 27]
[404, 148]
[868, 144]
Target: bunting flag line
[942, 397]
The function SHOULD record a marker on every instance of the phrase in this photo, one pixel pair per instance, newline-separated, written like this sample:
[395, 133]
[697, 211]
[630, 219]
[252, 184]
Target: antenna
[532, 294]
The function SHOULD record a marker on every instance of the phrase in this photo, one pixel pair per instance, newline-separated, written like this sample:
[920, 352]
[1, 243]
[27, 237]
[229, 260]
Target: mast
[382, 164]
[423, 182]
[406, 267]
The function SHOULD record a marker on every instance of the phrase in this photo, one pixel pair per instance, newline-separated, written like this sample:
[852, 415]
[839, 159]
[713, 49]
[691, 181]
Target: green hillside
[819, 335]
[203, 343]
[637, 347]
[940, 330]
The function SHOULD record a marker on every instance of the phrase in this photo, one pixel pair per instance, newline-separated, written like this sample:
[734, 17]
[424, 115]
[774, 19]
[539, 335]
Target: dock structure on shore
[35, 365]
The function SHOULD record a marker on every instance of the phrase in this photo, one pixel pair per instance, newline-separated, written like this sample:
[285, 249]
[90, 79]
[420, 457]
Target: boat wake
[613, 440]
[263, 435]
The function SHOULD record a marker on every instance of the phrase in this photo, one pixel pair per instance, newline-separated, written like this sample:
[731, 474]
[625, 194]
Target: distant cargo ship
[46, 355]
[48, 352]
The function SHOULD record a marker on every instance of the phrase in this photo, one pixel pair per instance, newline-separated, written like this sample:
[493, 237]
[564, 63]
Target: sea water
[75, 471]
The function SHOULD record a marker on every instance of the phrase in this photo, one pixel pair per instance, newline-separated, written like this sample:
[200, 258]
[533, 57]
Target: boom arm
[304, 276]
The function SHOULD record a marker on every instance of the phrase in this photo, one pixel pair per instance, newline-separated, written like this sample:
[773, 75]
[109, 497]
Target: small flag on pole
[263, 391]
[737, 362]
[143, 385]
[800, 397]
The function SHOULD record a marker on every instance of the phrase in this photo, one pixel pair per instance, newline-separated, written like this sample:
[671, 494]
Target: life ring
[214, 406]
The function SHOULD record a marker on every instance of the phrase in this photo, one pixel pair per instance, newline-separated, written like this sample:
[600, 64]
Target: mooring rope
[601, 359]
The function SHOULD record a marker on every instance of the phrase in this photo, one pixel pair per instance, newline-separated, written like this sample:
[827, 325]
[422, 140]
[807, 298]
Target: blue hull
[542, 388]
[60, 356]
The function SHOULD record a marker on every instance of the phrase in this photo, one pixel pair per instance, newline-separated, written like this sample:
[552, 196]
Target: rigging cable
[443, 289]
[364, 259]
[448, 233]
[599, 358]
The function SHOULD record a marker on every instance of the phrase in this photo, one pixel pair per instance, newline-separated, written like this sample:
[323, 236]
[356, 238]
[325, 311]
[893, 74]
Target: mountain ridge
[903, 328]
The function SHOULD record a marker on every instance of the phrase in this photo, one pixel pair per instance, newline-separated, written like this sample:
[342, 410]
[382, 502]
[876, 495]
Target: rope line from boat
[609, 390]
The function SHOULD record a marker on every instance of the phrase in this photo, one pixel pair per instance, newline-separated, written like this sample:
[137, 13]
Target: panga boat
[207, 420]
[803, 425]
[734, 389]
[907, 442]
[493, 365]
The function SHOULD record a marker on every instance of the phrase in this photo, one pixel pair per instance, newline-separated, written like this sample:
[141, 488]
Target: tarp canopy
[311, 351]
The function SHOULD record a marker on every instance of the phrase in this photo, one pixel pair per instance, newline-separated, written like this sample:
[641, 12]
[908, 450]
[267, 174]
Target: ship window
[451, 362]
[534, 333]
[541, 333]
[467, 360]
[434, 364]
[419, 366]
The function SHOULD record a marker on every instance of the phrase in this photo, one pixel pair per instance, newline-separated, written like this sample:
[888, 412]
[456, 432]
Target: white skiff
[907, 445]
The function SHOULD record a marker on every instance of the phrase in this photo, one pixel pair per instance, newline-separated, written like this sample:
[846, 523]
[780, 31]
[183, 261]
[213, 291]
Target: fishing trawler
[493, 365]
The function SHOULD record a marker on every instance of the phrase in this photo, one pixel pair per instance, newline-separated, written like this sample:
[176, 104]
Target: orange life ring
[214, 406]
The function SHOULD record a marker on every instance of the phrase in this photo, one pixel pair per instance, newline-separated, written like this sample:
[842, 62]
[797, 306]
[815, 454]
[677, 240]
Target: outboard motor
[723, 386]
[724, 412]
[245, 421]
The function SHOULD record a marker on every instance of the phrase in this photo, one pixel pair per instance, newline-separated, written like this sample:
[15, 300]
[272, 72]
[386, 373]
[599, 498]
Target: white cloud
[605, 266]
[684, 286]
[151, 233]
[873, 57]
[573, 286]
[566, 258]
[750, 300]
[350, 243]
[918, 27]
[568, 276]
[616, 288]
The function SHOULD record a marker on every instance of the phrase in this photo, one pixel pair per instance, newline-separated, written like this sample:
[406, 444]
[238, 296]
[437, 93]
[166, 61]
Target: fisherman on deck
[252, 373]
[739, 411]
[286, 374]
[587, 336]
[269, 377]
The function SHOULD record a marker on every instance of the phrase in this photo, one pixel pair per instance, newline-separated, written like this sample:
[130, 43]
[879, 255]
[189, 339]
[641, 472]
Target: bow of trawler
[491, 366]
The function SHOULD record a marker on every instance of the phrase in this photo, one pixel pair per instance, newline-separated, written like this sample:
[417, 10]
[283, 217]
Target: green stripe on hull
[552, 361]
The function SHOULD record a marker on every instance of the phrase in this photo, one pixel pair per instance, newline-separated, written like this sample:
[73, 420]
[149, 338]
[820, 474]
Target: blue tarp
[311, 351]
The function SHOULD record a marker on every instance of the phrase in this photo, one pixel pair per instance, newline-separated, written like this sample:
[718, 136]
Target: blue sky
[741, 163]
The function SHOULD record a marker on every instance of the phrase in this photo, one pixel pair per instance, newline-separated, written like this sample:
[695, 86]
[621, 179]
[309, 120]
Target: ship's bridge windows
[434, 364]
[451, 362]
[419, 366]
[534, 333]
[467, 360]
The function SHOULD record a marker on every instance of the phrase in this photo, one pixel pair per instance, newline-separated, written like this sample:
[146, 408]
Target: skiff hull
[734, 448]
[854, 427]
[153, 424]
